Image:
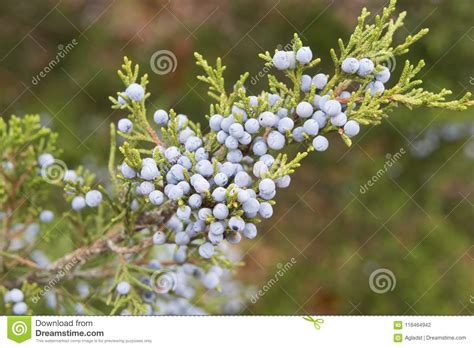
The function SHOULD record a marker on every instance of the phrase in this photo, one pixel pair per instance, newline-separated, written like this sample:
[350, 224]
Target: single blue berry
[125, 125]
[259, 169]
[135, 92]
[227, 122]
[16, 295]
[266, 210]
[259, 148]
[221, 179]
[149, 172]
[306, 83]
[123, 288]
[172, 154]
[127, 171]
[275, 140]
[20, 308]
[45, 159]
[383, 75]
[339, 120]
[251, 206]
[252, 125]
[195, 201]
[181, 238]
[281, 60]
[266, 185]
[350, 65]
[183, 212]
[245, 139]
[159, 238]
[217, 227]
[304, 109]
[332, 107]
[204, 167]
[210, 280]
[231, 143]
[233, 237]
[351, 128]
[320, 117]
[366, 67]
[161, 117]
[234, 156]
[215, 122]
[175, 192]
[219, 194]
[267, 119]
[283, 182]
[236, 224]
[200, 184]
[311, 127]
[242, 179]
[250, 230]
[78, 203]
[236, 130]
[320, 81]
[375, 87]
[46, 216]
[298, 134]
[304, 55]
[193, 143]
[320, 143]
[206, 250]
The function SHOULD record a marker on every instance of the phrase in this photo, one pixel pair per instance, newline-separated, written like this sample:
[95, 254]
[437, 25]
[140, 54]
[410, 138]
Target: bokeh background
[415, 221]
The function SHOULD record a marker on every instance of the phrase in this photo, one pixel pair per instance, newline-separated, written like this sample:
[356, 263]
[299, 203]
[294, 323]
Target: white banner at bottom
[237, 331]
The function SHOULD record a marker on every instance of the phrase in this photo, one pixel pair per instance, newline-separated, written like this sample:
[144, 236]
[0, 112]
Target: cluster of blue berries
[92, 197]
[134, 92]
[16, 296]
[216, 197]
[365, 67]
[221, 195]
[176, 286]
[314, 115]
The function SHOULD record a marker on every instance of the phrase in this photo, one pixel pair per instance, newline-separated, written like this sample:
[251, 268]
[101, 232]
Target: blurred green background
[414, 221]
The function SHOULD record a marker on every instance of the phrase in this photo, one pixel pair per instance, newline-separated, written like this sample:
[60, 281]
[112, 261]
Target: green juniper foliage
[156, 238]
